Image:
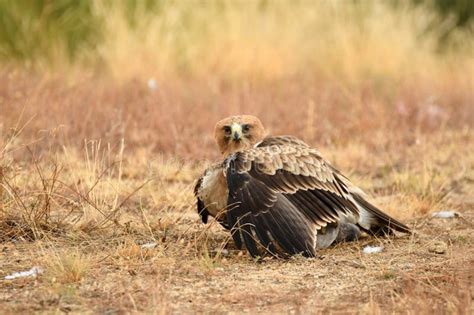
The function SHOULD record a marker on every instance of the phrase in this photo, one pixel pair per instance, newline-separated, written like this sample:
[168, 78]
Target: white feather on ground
[446, 214]
[372, 249]
[33, 272]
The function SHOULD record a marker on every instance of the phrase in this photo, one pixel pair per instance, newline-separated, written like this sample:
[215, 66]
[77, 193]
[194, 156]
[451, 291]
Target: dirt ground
[428, 272]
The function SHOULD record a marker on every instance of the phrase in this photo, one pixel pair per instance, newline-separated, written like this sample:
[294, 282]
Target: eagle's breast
[213, 192]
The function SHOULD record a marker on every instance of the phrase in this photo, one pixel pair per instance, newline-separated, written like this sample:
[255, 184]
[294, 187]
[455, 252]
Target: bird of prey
[279, 196]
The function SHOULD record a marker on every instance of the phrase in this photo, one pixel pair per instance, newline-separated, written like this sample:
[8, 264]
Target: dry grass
[82, 210]
[256, 41]
[97, 170]
[70, 267]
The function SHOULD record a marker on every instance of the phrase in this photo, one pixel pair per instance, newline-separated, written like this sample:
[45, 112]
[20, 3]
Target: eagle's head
[238, 133]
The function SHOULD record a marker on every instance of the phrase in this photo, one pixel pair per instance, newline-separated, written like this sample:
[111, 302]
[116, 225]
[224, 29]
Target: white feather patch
[366, 219]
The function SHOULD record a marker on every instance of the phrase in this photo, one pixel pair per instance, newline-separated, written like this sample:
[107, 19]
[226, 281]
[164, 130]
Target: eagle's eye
[227, 130]
[245, 128]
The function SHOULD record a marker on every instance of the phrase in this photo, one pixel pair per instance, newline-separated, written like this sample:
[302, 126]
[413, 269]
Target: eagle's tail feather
[380, 223]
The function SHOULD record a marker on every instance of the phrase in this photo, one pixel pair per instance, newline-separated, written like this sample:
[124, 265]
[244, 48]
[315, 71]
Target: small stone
[438, 247]
[149, 245]
[372, 249]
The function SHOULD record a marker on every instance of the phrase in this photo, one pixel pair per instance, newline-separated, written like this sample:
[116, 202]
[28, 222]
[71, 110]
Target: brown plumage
[278, 195]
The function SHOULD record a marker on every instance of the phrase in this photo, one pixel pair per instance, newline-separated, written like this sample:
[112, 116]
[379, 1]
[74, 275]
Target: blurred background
[160, 73]
[107, 111]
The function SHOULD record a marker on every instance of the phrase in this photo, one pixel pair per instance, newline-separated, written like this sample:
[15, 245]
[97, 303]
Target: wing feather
[261, 212]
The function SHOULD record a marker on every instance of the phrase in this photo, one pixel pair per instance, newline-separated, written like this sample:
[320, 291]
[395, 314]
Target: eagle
[277, 195]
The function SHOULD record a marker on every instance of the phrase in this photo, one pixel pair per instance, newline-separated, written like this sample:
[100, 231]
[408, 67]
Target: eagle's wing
[211, 194]
[281, 193]
[281, 140]
[201, 208]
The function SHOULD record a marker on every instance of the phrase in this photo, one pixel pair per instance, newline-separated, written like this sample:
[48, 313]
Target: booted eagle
[277, 195]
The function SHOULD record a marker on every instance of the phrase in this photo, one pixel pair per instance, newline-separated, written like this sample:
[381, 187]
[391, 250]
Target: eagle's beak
[236, 131]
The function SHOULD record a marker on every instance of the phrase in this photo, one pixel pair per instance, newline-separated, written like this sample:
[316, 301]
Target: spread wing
[280, 194]
[201, 208]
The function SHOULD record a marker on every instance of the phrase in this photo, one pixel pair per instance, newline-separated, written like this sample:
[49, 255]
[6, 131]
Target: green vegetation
[45, 29]
[53, 32]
